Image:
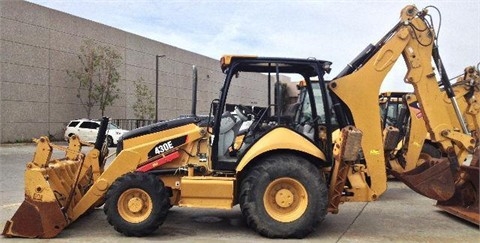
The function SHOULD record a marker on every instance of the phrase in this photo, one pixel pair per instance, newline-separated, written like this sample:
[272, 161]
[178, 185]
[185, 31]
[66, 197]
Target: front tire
[284, 196]
[136, 204]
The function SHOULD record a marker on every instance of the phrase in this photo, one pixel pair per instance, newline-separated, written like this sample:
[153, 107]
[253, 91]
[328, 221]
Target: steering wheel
[243, 112]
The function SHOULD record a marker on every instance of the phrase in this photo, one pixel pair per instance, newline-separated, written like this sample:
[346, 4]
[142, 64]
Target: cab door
[313, 97]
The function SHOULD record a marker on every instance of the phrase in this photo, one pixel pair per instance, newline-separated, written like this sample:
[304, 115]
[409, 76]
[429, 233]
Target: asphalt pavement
[400, 215]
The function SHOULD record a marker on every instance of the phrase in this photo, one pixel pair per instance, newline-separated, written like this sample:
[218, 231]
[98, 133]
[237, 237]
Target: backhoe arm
[414, 39]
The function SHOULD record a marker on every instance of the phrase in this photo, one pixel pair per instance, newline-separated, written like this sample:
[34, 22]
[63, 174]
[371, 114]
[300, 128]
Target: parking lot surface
[400, 215]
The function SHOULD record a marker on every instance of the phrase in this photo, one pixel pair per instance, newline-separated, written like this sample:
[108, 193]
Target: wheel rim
[134, 205]
[285, 199]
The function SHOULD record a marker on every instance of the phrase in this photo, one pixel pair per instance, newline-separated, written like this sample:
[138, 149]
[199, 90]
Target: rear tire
[136, 204]
[284, 196]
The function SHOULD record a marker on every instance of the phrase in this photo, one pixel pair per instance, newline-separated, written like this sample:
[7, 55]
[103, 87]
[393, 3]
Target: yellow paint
[207, 192]
[285, 199]
[278, 139]
[134, 205]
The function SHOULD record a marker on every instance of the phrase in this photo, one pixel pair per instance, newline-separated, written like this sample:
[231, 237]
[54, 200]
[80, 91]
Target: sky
[336, 31]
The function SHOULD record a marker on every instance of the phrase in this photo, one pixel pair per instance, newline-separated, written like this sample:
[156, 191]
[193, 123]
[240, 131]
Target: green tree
[98, 76]
[144, 107]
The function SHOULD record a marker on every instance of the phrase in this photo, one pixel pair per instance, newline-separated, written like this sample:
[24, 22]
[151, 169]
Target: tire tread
[250, 211]
[160, 200]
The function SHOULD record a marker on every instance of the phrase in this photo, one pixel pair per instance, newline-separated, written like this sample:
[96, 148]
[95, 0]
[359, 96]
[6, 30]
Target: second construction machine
[402, 120]
[286, 176]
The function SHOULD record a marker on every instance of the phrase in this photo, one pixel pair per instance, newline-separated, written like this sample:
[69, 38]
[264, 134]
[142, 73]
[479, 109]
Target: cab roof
[270, 64]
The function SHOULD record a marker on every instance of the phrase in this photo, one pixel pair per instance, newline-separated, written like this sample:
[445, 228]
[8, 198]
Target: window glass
[307, 108]
[73, 124]
[89, 125]
[393, 111]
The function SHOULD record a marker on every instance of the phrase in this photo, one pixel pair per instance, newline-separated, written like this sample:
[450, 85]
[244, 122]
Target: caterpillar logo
[166, 146]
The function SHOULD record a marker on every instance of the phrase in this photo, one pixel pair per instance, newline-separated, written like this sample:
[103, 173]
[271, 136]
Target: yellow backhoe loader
[285, 176]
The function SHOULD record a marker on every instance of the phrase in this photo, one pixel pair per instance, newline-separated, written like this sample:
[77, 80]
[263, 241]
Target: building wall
[38, 45]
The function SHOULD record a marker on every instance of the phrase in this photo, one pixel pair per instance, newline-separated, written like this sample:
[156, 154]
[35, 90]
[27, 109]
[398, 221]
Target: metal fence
[130, 124]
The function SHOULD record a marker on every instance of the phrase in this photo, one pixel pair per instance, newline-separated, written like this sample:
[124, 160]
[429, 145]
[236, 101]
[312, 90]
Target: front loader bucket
[35, 219]
[48, 184]
[54, 187]
[40, 215]
[433, 179]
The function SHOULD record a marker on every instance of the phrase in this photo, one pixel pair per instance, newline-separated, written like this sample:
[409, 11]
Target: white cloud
[331, 30]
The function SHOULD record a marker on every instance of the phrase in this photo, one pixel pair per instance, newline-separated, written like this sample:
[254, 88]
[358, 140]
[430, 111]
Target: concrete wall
[38, 45]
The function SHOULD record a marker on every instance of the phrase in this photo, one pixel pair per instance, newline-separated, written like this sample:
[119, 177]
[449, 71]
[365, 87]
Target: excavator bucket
[464, 203]
[54, 186]
[456, 194]
[433, 179]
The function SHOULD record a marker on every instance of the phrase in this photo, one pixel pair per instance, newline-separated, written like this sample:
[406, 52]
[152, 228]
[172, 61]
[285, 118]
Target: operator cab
[240, 121]
[303, 109]
[393, 108]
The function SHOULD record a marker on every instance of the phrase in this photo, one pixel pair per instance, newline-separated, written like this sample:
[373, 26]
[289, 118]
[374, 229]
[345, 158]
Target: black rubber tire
[156, 191]
[254, 186]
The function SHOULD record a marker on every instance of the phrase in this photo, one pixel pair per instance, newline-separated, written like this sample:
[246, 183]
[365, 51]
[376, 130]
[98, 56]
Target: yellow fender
[280, 138]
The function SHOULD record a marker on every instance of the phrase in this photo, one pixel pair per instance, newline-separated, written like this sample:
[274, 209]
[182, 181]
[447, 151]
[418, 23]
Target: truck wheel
[284, 196]
[136, 204]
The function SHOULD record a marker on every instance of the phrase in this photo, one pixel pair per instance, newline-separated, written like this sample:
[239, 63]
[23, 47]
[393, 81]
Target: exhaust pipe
[102, 133]
[194, 91]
